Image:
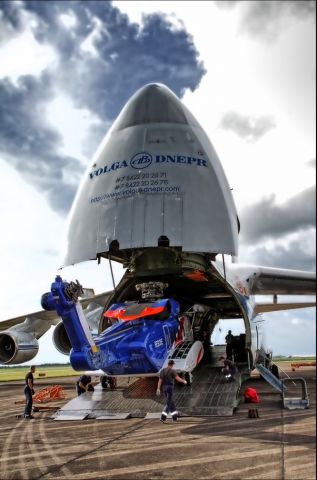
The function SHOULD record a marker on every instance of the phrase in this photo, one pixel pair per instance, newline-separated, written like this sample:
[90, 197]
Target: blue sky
[246, 70]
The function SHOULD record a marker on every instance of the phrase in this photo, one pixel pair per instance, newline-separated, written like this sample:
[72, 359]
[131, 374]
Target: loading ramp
[270, 377]
[208, 395]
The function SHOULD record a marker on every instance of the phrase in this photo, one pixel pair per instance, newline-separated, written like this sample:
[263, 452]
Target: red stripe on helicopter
[120, 313]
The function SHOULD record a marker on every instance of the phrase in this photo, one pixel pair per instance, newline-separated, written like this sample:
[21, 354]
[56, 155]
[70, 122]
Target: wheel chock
[253, 413]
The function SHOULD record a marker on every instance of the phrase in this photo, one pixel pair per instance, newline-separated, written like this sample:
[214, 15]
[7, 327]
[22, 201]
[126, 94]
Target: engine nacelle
[61, 340]
[17, 347]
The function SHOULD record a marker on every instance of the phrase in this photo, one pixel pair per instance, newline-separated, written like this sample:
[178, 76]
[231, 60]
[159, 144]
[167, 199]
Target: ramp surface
[208, 395]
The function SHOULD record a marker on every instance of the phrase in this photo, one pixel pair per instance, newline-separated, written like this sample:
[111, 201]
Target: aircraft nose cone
[153, 103]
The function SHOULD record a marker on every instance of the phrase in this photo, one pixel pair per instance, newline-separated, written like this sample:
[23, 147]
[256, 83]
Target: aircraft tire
[274, 370]
[104, 382]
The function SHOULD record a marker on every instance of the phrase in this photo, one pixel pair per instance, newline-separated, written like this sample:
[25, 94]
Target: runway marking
[29, 458]
[52, 471]
[299, 468]
[5, 459]
[249, 470]
[38, 461]
[157, 466]
[50, 450]
[126, 449]
[21, 463]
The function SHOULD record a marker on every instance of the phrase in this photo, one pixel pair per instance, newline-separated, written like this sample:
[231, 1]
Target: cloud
[266, 19]
[101, 60]
[266, 219]
[291, 332]
[30, 146]
[126, 55]
[297, 321]
[249, 128]
[10, 19]
[280, 235]
[298, 254]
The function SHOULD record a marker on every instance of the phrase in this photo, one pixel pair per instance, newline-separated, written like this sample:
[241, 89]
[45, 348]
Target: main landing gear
[108, 382]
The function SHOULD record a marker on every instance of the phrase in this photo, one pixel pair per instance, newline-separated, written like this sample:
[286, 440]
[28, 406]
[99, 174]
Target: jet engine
[61, 340]
[17, 347]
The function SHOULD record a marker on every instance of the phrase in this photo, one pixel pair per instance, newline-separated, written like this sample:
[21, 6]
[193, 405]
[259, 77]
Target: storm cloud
[298, 254]
[266, 19]
[281, 236]
[30, 145]
[266, 219]
[103, 59]
[249, 128]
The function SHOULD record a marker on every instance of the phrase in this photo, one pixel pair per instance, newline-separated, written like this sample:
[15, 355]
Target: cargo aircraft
[155, 198]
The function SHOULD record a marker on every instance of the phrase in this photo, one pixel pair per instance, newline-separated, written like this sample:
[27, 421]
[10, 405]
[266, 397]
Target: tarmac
[278, 444]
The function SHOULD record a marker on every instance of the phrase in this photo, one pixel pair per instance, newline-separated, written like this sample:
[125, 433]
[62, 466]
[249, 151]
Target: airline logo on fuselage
[143, 160]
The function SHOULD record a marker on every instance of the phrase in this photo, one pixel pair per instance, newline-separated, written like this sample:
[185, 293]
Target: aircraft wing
[276, 307]
[278, 281]
[48, 319]
[39, 322]
[100, 299]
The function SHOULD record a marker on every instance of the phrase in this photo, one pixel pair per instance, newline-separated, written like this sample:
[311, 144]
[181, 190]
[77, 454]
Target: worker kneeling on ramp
[84, 384]
[229, 369]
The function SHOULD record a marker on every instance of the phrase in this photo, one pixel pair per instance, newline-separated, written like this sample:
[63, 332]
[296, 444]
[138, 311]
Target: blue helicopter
[143, 336]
